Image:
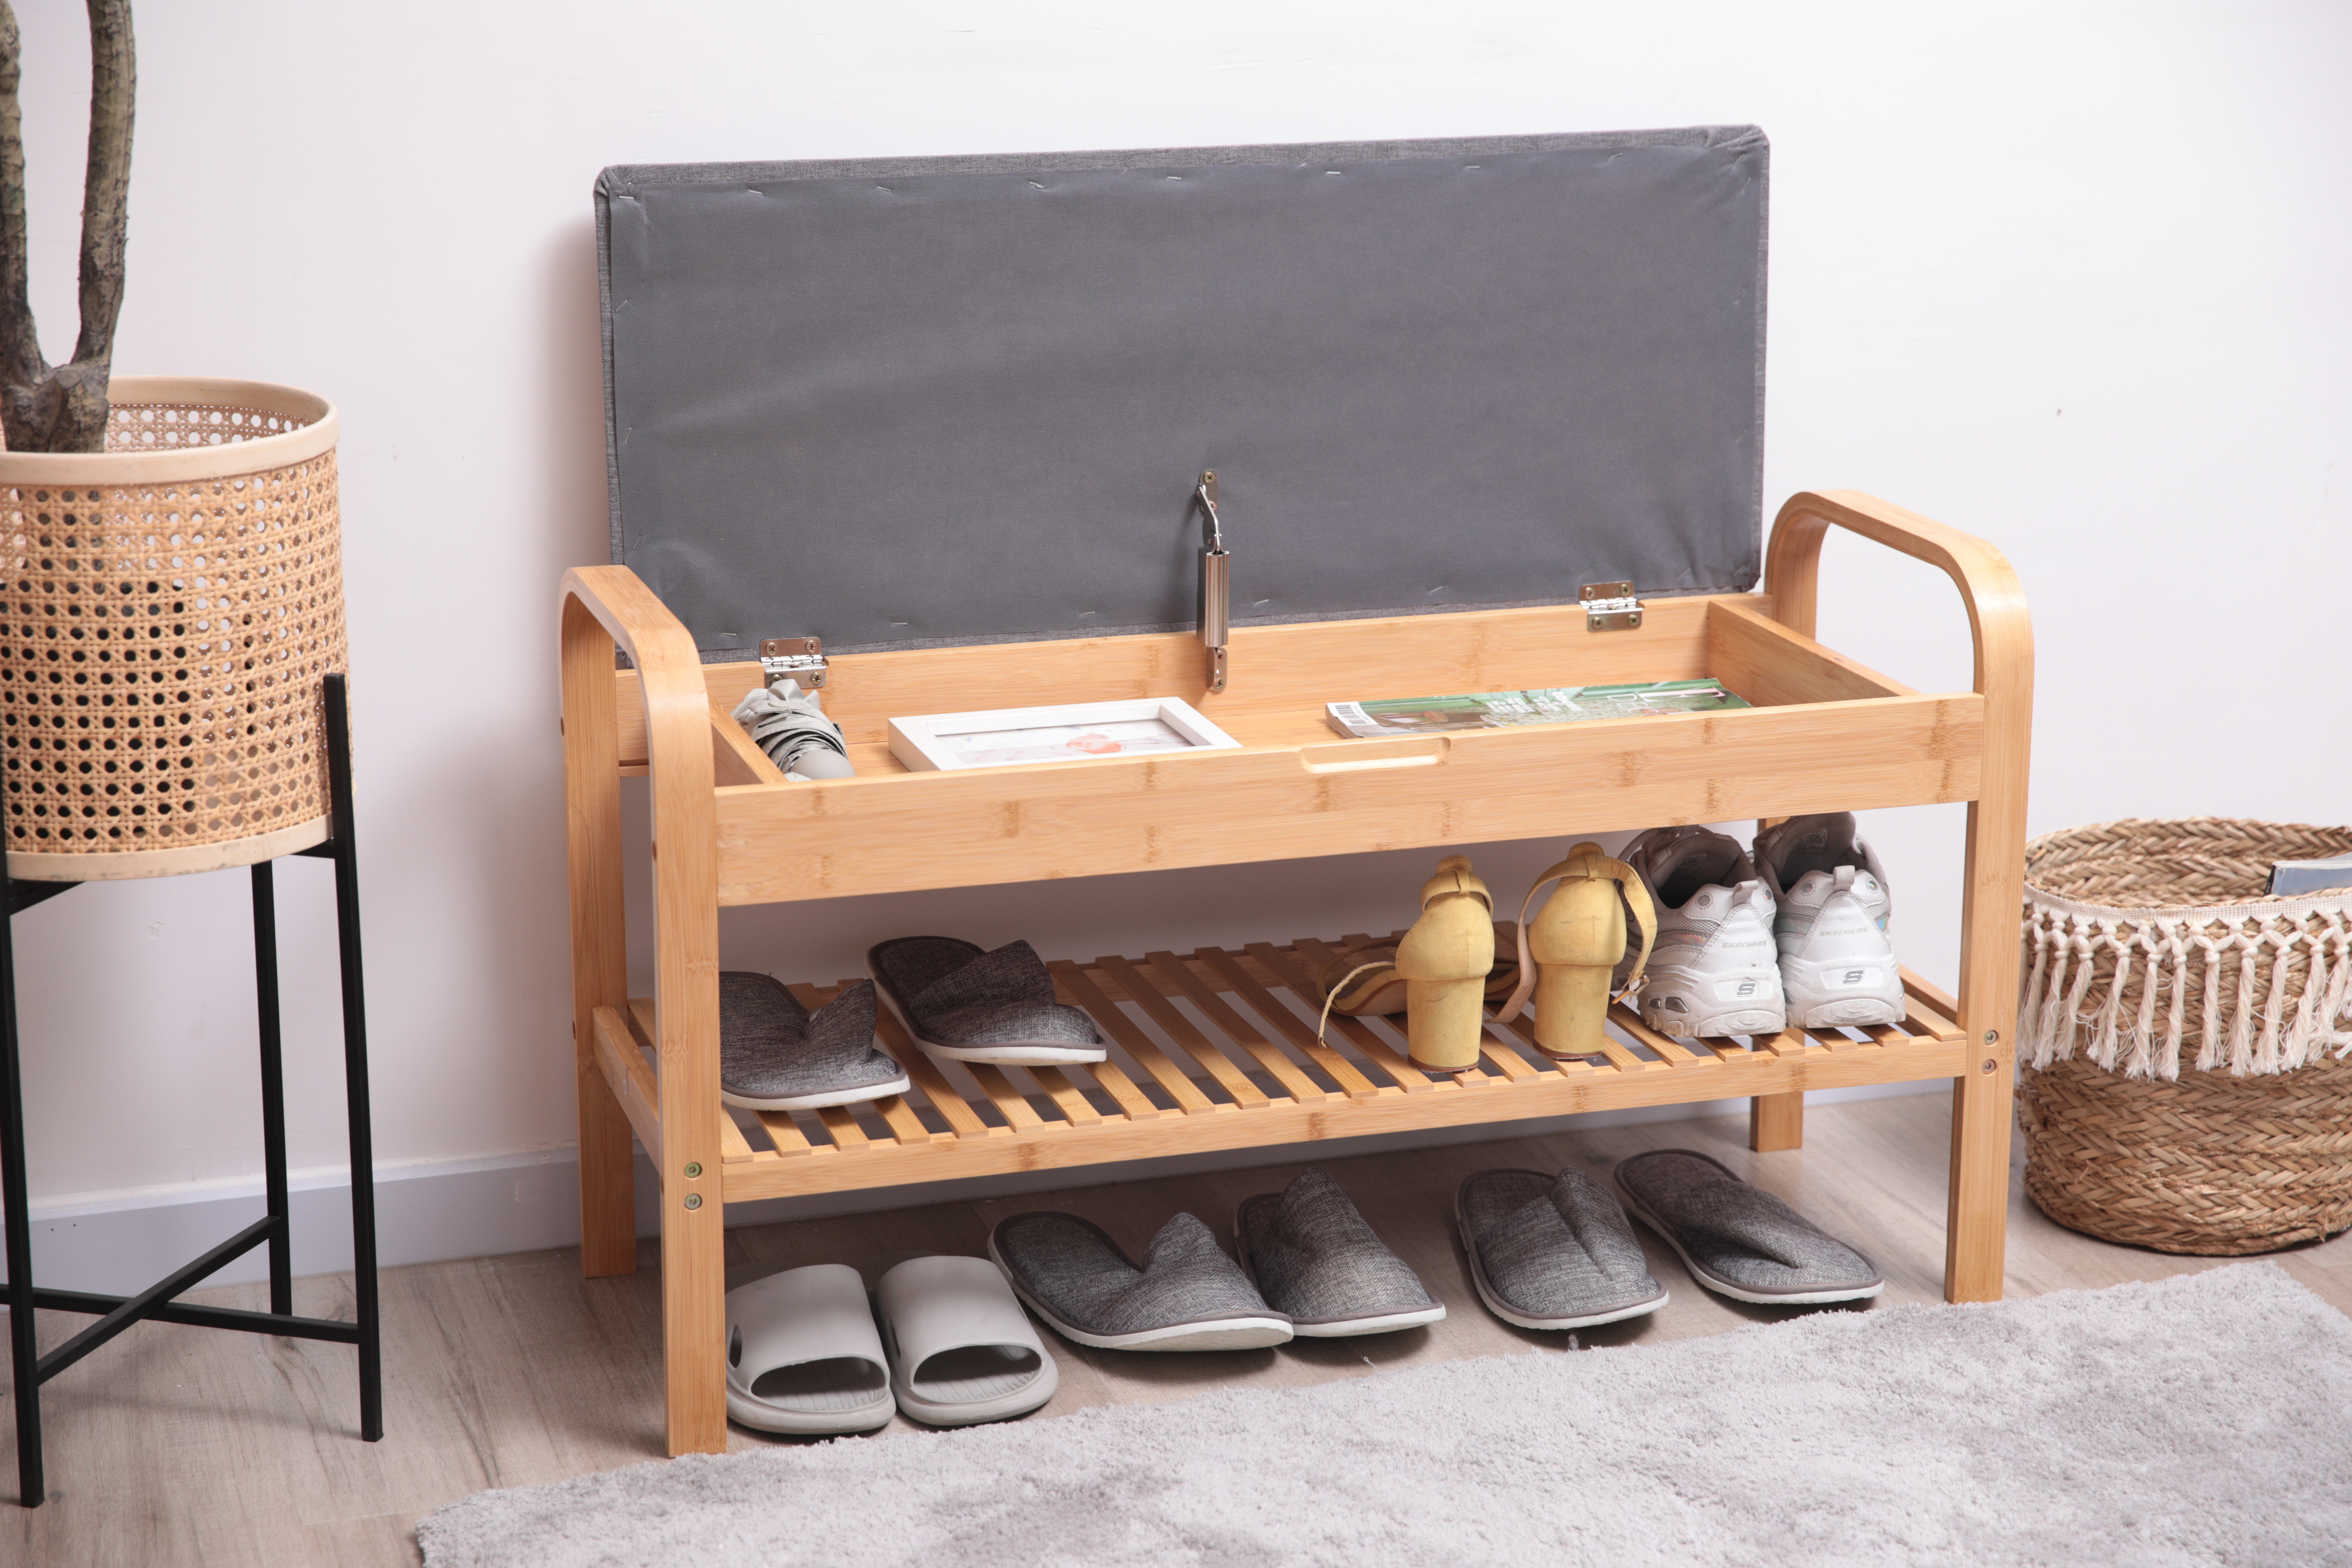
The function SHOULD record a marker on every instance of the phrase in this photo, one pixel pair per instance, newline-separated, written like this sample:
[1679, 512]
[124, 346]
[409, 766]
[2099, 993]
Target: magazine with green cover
[1546, 705]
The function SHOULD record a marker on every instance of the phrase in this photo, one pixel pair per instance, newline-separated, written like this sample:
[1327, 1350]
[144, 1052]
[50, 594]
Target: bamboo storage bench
[1242, 1068]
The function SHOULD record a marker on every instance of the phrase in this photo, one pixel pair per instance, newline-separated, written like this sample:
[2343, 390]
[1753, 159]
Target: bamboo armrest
[604, 605]
[1996, 613]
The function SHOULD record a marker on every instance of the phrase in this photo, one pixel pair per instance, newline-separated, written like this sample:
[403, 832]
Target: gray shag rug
[2202, 1419]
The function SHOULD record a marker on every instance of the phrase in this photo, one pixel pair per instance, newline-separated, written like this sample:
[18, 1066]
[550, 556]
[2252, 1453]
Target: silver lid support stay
[1216, 590]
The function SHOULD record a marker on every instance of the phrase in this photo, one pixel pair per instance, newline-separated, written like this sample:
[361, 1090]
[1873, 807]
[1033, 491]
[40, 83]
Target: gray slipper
[775, 1055]
[1188, 1296]
[1552, 1252]
[973, 1006]
[1317, 1262]
[1738, 1241]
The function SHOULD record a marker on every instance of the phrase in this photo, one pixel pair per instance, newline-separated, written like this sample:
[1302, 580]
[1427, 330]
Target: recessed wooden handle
[1350, 756]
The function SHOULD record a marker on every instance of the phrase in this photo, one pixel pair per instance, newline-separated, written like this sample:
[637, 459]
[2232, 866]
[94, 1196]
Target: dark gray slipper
[973, 1006]
[1738, 1241]
[1552, 1252]
[1317, 1262]
[1188, 1296]
[775, 1055]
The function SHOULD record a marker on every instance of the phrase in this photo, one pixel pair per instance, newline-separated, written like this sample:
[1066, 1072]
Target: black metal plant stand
[115, 1313]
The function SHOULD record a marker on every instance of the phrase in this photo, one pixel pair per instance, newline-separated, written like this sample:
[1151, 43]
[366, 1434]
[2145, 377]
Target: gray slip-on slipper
[775, 1055]
[961, 1350]
[1739, 1241]
[973, 1006]
[1552, 1252]
[1317, 1262]
[1188, 1296]
[803, 1355]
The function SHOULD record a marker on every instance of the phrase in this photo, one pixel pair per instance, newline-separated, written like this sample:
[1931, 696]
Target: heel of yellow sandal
[1572, 1001]
[1444, 1020]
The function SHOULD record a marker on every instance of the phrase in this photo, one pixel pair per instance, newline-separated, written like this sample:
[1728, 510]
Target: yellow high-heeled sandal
[1569, 951]
[1443, 961]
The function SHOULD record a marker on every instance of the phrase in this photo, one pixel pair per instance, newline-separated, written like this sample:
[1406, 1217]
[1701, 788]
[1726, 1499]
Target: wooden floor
[181, 1446]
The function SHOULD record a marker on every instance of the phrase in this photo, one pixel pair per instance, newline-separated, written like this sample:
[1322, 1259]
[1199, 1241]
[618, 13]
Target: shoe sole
[1748, 1021]
[1006, 1055]
[1237, 1333]
[762, 1416]
[1722, 1287]
[1348, 1328]
[818, 1102]
[1860, 1013]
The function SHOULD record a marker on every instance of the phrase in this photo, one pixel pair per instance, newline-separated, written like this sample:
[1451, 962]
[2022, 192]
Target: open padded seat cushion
[924, 401]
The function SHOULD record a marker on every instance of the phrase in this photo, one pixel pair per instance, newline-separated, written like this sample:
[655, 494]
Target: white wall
[2067, 275]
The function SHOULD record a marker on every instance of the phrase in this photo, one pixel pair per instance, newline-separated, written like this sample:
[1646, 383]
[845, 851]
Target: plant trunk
[63, 408]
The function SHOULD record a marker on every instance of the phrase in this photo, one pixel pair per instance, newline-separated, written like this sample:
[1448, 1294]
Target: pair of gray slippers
[955, 1001]
[1309, 1267]
[1559, 1252]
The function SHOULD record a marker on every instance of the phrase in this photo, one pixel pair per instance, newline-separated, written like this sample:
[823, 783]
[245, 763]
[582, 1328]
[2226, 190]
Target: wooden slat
[1180, 1028]
[906, 1127]
[1010, 1102]
[1676, 1052]
[1067, 1096]
[1147, 1056]
[1132, 1101]
[1885, 1035]
[733, 1147]
[1355, 1031]
[1221, 1016]
[1787, 1043]
[1509, 1062]
[1834, 1039]
[960, 1118]
[1228, 968]
[848, 1136]
[785, 1133]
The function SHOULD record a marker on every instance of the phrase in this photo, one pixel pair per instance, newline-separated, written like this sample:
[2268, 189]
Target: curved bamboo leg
[686, 963]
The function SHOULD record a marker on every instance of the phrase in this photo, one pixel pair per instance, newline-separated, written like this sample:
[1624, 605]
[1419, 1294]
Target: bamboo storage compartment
[1826, 734]
[170, 607]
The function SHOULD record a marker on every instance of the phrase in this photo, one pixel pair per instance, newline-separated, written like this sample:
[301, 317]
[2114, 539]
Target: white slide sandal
[961, 1350]
[803, 1355]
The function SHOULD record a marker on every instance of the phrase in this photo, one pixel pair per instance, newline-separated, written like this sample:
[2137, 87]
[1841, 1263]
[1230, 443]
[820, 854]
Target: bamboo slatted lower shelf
[1216, 1049]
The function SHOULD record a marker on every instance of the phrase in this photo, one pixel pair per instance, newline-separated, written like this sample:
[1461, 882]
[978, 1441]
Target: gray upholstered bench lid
[928, 401]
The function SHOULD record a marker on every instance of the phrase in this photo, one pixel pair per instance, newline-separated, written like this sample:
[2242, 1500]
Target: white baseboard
[120, 1243]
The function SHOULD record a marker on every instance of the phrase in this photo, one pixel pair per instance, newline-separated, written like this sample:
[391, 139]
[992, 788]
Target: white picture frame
[1011, 737]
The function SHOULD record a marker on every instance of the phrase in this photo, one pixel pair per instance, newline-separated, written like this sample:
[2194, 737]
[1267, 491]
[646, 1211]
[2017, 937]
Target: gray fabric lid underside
[922, 402]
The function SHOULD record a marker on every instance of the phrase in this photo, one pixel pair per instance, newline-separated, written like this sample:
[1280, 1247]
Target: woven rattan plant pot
[171, 605]
[2185, 1085]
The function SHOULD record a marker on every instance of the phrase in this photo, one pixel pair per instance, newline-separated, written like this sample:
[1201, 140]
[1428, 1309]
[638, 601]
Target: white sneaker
[1836, 965]
[1714, 970]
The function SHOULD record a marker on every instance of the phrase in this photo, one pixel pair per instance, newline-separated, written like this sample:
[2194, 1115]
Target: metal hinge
[1610, 607]
[794, 659]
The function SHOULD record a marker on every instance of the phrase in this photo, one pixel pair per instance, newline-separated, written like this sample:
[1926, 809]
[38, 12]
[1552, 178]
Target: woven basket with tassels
[2184, 1037]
